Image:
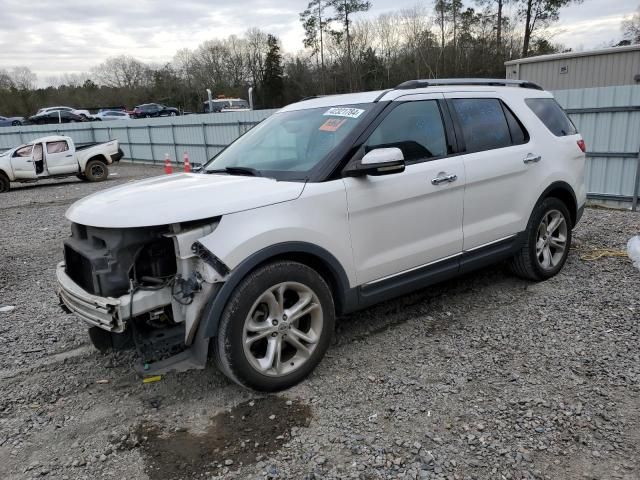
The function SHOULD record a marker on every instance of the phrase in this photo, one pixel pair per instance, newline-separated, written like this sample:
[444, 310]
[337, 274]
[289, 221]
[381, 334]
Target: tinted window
[416, 128]
[518, 134]
[552, 115]
[484, 125]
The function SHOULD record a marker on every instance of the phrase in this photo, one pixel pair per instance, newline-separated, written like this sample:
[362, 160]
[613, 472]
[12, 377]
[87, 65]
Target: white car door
[59, 158]
[400, 222]
[497, 171]
[22, 163]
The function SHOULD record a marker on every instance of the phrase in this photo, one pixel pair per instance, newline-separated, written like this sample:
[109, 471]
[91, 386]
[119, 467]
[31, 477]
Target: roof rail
[491, 82]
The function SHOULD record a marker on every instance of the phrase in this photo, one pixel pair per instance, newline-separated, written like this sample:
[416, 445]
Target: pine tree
[273, 74]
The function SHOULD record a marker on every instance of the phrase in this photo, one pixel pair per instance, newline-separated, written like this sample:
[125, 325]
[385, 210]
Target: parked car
[111, 115]
[226, 105]
[154, 110]
[56, 116]
[57, 157]
[328, 206]
[11, 121]
[82, 113]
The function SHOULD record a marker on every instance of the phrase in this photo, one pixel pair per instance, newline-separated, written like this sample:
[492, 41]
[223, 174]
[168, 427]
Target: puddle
[239, 435]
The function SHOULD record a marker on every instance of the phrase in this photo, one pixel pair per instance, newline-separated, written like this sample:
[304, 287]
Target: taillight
[582, 146]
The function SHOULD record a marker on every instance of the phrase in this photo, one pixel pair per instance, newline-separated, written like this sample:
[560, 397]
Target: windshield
[293, 141]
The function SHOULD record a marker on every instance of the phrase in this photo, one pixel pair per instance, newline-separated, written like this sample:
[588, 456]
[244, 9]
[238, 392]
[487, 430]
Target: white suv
[328, 206]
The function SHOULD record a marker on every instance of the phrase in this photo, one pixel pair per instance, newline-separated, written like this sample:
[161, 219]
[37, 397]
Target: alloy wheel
[551, 241]
[282, 329]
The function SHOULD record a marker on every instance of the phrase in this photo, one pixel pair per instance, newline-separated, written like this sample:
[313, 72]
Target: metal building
[596, 68]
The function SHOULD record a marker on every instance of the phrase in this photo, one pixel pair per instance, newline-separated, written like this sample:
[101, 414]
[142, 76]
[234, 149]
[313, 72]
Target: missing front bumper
[108, 313]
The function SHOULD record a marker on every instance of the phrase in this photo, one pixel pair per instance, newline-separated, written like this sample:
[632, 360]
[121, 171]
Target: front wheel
[548, 239]
[96, 171]
[276, 327]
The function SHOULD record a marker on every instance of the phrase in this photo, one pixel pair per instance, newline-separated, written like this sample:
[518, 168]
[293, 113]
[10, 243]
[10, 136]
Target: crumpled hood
[179, 198]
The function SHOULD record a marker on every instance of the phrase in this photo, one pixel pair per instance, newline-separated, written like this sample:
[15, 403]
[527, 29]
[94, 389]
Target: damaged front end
[148, 284]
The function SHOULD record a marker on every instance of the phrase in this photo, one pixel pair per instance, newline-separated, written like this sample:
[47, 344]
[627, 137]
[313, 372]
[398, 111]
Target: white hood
[179, 198]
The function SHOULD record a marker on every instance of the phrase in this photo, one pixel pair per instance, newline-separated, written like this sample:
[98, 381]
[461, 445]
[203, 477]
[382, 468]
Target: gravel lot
[484, 377]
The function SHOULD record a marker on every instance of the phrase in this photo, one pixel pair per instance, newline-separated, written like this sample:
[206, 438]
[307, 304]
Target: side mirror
[196, 167]
[380, 161]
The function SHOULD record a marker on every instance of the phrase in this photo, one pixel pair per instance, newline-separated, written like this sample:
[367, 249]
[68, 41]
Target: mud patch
[257, 427]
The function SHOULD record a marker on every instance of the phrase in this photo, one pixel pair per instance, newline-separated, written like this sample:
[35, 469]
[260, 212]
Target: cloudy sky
[71, 36]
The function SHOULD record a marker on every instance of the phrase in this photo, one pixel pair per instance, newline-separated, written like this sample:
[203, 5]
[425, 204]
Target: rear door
[403, 221]
[59, 157]
[22, 163]
[496, 149]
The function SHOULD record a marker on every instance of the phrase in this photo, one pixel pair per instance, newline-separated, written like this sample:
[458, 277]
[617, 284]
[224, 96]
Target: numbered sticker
[344, 112]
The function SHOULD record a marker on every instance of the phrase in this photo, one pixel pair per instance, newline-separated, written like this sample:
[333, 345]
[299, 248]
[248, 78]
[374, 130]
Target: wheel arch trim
[567, 191]
[344, 297]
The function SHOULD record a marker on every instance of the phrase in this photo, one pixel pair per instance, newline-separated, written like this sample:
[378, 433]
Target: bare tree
[631, 27]
[122, 72]
[23, 78]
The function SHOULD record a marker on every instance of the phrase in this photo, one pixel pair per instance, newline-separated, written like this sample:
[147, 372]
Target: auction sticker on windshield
[344, 112]
[332, 124]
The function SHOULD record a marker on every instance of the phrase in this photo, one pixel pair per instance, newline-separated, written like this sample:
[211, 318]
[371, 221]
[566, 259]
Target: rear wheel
[96, 171]
[276, 327]
[16, 123]
[548, 239]
[5, 185]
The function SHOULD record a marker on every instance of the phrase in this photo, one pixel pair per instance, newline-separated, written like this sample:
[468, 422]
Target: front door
[403, 221]
[60, 160]
[22, 163]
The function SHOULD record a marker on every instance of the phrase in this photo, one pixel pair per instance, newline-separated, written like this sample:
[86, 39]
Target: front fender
[345, 296]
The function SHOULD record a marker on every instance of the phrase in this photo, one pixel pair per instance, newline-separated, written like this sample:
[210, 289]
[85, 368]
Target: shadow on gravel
[233, 438]
[434, 300]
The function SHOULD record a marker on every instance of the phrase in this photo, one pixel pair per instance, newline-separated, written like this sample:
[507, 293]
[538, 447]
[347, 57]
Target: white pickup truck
[57, 157]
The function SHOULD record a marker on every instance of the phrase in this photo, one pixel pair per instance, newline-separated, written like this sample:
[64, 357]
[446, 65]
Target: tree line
[343, 52]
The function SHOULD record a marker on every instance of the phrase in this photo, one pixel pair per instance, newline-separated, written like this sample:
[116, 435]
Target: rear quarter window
[552, 115]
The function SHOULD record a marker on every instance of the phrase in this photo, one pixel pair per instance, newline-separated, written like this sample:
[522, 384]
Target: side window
[518, 133]
[415, 127]
[57, 147]
[552, 115]
[24, 151]
[483, 122]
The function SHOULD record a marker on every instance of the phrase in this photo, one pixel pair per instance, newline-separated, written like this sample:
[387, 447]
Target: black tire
[5, 185]
[229, 348]
[96, 171]
[526, 263]
[16, 123]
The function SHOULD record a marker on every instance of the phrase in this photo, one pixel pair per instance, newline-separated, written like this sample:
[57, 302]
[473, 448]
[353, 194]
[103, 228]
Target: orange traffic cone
[187, 165]
[167, 165]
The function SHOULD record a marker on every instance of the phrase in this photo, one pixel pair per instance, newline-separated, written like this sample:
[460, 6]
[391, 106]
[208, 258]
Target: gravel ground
[484, 377]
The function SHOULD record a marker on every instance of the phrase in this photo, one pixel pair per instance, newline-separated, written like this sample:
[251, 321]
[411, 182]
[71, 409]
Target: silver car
[11, 121]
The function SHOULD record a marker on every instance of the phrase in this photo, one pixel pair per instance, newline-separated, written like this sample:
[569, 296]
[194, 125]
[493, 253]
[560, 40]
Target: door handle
[531, 158]
[444, 178]
[68, 156]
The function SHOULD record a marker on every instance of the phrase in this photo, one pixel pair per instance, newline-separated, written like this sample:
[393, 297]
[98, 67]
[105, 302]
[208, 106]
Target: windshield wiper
[252, 172]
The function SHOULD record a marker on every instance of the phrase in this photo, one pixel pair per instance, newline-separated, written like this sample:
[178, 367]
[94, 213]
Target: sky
[71, 36]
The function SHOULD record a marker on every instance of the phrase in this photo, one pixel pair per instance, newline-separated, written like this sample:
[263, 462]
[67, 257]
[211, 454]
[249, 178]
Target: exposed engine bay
[149, 284]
